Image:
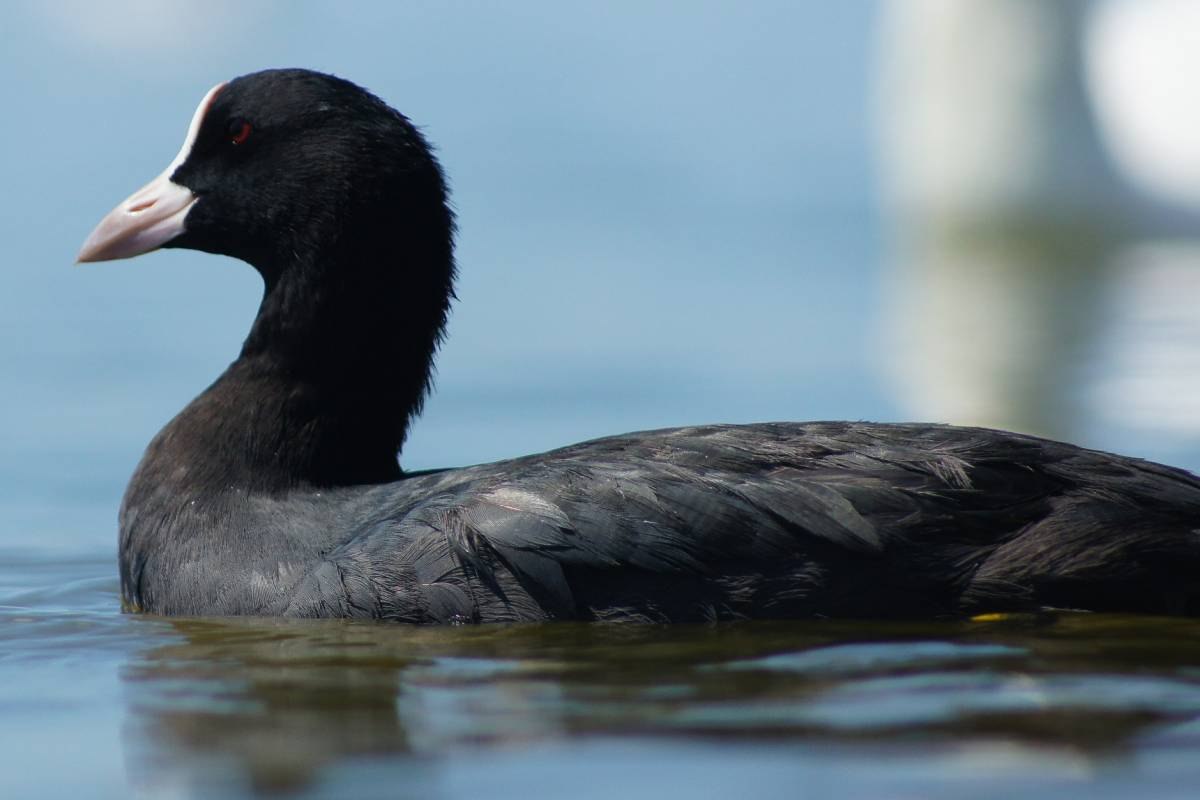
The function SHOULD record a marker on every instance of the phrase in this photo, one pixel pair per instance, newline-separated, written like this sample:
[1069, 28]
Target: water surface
[103, 704]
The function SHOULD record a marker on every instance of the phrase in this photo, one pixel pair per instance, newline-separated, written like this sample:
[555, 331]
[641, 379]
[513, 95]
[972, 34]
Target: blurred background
[671, 213]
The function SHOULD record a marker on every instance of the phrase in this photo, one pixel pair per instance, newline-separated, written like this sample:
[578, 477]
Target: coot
[277, 491]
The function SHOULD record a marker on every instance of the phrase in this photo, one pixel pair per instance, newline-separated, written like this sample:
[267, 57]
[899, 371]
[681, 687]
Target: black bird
[277, 491]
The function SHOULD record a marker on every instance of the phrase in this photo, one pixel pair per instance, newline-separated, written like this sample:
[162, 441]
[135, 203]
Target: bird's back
[770, 520]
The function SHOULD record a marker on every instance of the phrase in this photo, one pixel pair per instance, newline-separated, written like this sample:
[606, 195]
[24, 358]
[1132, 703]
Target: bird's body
[778, 520]
[277, 491]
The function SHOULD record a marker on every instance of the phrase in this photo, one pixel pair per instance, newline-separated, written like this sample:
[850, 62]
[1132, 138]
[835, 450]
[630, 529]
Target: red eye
[239, 131]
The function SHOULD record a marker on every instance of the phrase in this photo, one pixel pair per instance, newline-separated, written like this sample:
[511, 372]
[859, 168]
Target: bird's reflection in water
[273, 702]
[266, 702]
[278, 707]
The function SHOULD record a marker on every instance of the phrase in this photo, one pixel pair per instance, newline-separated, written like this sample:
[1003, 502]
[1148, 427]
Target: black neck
[335, 367]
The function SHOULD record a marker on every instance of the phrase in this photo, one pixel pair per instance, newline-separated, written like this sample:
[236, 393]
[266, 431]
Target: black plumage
[278, 492]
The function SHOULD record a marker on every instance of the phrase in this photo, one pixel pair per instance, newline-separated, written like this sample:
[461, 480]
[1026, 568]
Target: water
[101, 704]
[669, 216]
